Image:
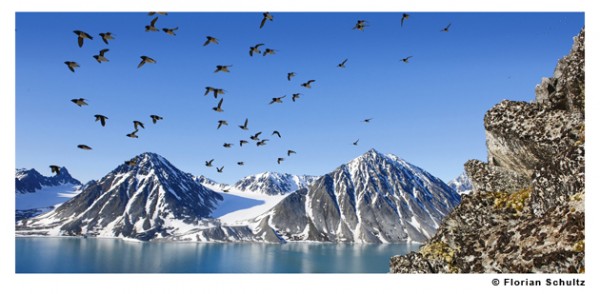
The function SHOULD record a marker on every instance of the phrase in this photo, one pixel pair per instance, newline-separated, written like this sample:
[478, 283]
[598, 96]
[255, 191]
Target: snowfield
[47, 197]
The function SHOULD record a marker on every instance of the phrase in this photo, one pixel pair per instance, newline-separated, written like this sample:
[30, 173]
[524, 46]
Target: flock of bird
[256, 49]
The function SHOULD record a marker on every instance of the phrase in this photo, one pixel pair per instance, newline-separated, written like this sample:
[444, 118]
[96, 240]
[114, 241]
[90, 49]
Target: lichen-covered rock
[526, 212]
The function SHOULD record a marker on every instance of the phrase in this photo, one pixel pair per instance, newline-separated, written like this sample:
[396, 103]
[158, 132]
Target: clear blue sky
[428, 111]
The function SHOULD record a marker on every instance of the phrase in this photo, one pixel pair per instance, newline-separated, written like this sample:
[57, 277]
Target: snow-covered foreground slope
[46, 196]
[238, 207]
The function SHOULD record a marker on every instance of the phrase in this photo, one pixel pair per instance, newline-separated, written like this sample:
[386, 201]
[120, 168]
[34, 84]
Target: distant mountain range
[461, 184]
[374, 198]
[30, 180]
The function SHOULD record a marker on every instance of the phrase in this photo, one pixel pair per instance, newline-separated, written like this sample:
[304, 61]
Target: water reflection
[75, 255]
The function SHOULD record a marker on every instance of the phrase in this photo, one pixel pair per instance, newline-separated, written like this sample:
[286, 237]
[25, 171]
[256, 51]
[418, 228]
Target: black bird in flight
[79, 101]
[343, 63]
[242, 142]
[84, 147]
[277, 99]
[404, 16]
[290, 75]
[210, 39]
[157, 12]
[367, 120]
[227, 145]
[220, 170]
[131, 162]
[215, 91]
[218, 107]
[295, 96]
[240, 163]
[145, 59]
[72, 65]
[223, 68]
[222, 123]
[290, 152]
[80, 36]
[152, 26]
[100, 57]
[133, 134]
[262, 142]
[137, 124]
[360, 25]
[244, 126]
[276, 133]
[106, 36]
[269, 51]
[307, 84]
[254, 49]
[209, 163]
[255, 136]
[279, 160]
[101, 118]
[446, 28]
[355, 142]
[55, 169]
[170, 31]
[405, 60]
[266, 15]
[155, 118]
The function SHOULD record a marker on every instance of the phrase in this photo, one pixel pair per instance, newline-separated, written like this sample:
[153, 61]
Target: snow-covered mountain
[273, 183]
[150, 199]
[374, 198]
[461, 184]
[30, 180]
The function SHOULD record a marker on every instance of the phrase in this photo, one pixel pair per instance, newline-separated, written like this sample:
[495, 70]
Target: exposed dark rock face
[526, 213]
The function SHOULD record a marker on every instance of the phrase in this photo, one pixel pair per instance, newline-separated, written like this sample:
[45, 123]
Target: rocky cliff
[526, 213]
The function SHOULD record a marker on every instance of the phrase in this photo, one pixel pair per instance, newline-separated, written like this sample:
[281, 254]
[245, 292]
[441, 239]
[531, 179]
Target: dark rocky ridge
[30, 180]
[526, 213]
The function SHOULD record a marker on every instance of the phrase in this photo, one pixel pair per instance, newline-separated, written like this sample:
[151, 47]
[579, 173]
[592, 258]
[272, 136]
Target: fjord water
[91, 255]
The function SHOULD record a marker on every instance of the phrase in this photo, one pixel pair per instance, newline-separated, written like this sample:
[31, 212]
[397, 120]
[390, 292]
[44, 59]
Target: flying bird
[244, 126]
[84, 147]
[79, 101]
[276, 133]
[295, 96]
[290, 152]
[240, 163]
[262, 142]
[307, 84]
[266, 15]
[220, 170]
[209, 163]
[137, 123]
[269, 51]
[72, 65]
[100, 57]
[223, 68]
[225, 190]
[254, 49]
[152, 26]
[290, 75]
[133, 134]
[446, 28]
[218, 107]
[405, 60]
[145, 59]
[55, 169]
[279, 160]
[215, 91]
[277, 99]
[155, 118]
[80, 36]
[157, 12]
[242, 142]
[404, 16]
[360, 25]
[255, 136]
[222, 123]
[170, 31]
[227, 145]
[106, 36]
[210, 39]
[131, 162]
[355, 143]
[367, 120]
[101, 118]
[343, 63]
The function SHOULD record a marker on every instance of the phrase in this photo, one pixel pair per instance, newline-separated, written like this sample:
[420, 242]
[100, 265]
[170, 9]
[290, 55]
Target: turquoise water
[78, 255]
